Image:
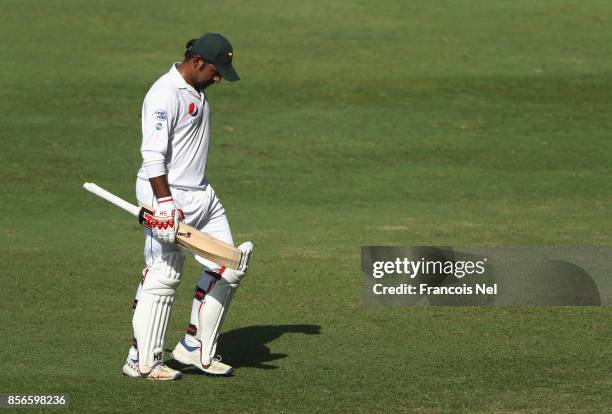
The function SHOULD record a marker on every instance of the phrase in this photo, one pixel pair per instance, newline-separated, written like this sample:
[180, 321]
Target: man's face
[205, 73]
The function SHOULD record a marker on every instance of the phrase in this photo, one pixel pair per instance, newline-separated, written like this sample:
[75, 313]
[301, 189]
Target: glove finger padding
[166, 230]
[173, 225]
[166, 219]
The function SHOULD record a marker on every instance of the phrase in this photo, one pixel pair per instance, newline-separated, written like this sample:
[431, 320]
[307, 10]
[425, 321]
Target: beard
[206, 84]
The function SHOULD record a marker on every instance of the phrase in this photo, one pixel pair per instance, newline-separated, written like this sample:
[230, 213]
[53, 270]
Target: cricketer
[172, 179]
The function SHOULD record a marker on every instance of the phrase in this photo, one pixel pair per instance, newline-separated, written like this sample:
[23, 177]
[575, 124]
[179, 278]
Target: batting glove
[166, 219]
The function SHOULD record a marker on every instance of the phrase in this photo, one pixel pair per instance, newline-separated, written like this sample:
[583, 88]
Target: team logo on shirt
[160, 114]
[159, 126]
[193, 109]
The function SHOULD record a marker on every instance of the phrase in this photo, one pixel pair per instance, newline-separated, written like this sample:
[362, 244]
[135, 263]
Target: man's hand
[166, 219]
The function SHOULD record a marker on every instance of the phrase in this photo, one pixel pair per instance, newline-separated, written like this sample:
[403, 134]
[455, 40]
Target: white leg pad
[152, 313]
[216, 304]
[213, 311]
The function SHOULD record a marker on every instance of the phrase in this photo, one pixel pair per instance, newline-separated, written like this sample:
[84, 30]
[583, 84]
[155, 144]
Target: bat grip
[111, 198]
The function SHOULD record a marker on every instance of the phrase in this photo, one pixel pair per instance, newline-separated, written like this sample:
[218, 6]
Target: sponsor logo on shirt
[160, 114]
[159, 126]
[193, 109]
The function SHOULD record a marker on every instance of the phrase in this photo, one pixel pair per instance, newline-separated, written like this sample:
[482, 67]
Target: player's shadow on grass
[246, 347]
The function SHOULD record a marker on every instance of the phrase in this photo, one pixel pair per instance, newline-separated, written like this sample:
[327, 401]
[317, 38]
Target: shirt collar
[178, 79]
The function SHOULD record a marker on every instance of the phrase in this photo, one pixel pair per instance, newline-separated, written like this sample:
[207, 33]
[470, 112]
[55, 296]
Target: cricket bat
[190, 238]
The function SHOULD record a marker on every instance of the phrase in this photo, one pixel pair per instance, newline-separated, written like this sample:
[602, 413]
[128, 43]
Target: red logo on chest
[193, 109]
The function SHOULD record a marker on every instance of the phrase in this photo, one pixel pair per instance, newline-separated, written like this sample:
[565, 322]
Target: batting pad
[153, 310]
[213, 310]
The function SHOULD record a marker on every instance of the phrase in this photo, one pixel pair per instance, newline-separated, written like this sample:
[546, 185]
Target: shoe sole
[175, 378]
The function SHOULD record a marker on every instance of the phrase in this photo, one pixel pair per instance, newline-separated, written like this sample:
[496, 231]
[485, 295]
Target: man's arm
[157, 116]
[160, 186]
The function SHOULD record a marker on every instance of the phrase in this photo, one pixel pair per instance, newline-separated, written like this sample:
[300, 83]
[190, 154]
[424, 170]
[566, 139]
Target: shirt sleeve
[157, 113]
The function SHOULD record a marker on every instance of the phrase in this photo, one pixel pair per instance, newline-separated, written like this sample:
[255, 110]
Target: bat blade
[208, 247]
[200, 243]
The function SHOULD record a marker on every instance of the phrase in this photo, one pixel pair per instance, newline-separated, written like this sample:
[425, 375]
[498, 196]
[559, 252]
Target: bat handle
[111, 198]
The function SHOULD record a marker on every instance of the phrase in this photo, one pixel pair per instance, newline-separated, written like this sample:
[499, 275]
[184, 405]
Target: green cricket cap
[216, 49]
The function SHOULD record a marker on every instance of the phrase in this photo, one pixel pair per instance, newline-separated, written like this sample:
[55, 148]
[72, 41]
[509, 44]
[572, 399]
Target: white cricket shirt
[175, 132]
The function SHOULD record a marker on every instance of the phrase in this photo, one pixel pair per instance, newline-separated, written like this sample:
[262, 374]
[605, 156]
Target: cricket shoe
[190, 355]
[159, 372]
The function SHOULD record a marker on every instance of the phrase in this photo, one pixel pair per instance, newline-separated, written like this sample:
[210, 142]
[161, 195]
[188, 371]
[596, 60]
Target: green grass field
[355, 123]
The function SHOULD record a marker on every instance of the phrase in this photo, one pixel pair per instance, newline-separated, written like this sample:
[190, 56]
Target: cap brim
[228, 73]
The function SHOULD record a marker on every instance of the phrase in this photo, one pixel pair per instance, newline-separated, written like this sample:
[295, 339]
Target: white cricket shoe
[131, 368]
[190, 355]
[159, 372]
[162, 372]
